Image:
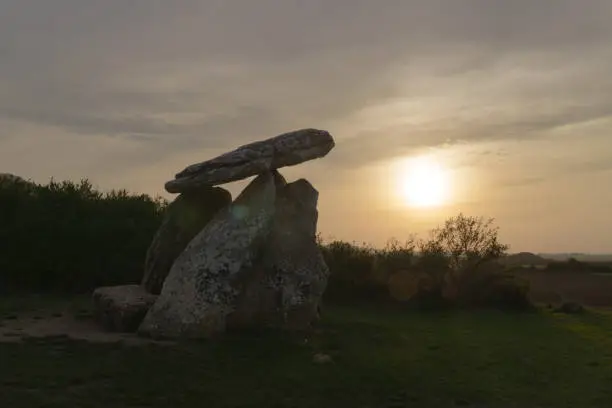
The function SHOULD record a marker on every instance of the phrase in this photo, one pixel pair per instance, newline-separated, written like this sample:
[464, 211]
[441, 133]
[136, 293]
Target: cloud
[117, 90]
[196, 68]
[526, 181]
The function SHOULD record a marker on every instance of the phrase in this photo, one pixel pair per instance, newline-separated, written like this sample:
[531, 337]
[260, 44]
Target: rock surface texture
[185, 217]
[199, 293]
[121, 308]
[217, 265]
[285, 286]
[287, 149]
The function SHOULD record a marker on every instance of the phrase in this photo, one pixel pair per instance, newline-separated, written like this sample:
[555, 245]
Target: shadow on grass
[390, 359]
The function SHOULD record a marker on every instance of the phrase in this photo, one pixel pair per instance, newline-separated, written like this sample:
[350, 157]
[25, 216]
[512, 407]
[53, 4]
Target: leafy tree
[457, 262]
[464, 242]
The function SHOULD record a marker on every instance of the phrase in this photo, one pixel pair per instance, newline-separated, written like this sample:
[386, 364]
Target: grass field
[380, 358]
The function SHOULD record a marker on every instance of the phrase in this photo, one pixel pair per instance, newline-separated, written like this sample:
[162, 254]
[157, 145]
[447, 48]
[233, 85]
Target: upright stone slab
[287, 149]
[199, 292]
[294, 255]
[185, 217]
[285, 286]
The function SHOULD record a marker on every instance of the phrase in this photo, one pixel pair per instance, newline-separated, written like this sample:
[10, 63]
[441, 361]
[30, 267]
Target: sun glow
[424, 183]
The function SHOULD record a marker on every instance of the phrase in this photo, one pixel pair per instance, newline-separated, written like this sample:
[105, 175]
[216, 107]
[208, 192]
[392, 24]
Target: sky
[512, 98]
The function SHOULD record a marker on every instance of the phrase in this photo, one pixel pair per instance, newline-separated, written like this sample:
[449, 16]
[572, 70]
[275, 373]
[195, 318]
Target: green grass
[380, 359]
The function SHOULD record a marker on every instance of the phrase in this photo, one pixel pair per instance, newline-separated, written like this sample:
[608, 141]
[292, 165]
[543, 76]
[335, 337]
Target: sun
[424, 183]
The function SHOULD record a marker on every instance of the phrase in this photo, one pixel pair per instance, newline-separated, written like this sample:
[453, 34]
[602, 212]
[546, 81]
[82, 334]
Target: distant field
[587, 288]
[380, 359]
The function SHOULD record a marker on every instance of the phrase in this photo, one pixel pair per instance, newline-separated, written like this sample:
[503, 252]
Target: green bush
[505, 292]
[486, 287]
[460, 259]
[361, 272]
[396, 256]
[489, 286]
[71, 237]
[351, 272]
[456, 267]
[67, 236]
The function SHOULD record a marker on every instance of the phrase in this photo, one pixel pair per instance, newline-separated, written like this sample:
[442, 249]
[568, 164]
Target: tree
[455, 259]
[464, 241]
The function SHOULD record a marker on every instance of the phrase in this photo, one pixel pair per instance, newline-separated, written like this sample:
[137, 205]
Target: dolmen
[218, 264]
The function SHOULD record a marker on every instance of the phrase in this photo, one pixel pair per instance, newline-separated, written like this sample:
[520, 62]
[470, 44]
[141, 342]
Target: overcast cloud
[129, 93]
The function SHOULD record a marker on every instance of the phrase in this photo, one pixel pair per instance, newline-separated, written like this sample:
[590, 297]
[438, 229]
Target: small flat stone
[321, 358]
[121, 308]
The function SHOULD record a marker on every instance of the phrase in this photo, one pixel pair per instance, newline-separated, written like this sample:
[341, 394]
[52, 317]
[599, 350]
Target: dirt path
[17, 327]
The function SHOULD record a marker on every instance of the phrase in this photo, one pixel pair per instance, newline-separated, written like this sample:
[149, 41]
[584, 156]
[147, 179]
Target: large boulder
[199, 291]
[285, 287]
[287, 149]
[121, 308]
[185, 218]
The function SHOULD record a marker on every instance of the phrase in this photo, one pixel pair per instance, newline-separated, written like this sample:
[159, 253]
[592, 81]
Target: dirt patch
[18, 327]
[589, 289]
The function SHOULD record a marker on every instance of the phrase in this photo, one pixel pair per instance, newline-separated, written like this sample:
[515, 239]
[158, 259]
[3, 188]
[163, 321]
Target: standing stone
[185, 217]
[294, 255]
[287, 149]
[199, 293]
[285, 287]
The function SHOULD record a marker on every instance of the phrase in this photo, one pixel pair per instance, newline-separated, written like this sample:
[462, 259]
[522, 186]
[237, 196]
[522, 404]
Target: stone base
[121, 308]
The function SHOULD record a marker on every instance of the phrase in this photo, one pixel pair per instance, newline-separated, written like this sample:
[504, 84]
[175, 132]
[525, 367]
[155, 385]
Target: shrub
[361, 272]
[70, 237]
[351, 271]
[456, 267]
[430, 293]
[395, 256]
[403, 285]
[489, 286]
[460, 260]
[506, 292]
[465, 240]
